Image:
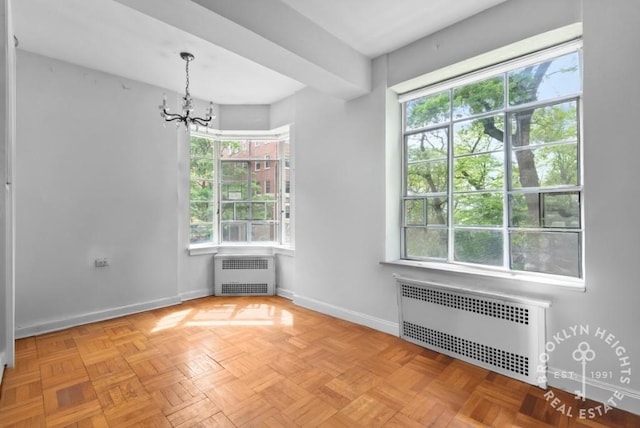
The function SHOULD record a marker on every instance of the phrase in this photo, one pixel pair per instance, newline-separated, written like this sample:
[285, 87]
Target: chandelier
[187, 104]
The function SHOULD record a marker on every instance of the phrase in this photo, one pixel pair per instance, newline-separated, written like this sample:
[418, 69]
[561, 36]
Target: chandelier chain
[186, 90]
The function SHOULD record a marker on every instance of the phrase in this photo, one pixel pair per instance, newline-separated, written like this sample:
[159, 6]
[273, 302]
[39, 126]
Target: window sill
[205, 249]
[569, 283]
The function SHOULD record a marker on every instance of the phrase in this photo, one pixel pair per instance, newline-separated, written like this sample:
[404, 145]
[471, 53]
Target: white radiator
[244, 275]
[505, 334]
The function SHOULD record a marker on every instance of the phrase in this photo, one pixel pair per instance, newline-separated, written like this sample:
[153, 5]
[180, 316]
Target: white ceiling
[247, 51]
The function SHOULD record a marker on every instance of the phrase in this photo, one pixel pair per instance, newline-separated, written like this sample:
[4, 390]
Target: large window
[492, 167]
[233, 199]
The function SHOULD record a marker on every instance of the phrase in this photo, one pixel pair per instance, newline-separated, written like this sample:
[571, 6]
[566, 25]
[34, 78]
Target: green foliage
[478, 97]
[478, 209]
[428, 110]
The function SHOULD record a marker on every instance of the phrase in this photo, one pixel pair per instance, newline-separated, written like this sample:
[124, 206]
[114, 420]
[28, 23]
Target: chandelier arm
[201, 121]
[170, 117]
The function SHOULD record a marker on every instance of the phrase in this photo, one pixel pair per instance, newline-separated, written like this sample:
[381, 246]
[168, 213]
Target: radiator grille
[244, 264]
[467, 303]
[496, 357]
[245, 288]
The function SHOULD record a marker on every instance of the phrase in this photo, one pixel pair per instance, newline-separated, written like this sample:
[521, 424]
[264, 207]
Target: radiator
[505, 334]
[244, 275]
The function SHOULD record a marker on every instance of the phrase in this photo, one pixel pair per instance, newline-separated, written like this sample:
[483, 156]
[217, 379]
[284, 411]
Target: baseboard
[3, 363]
[596, 390]
[47, 327]
[283, 292]
[348, 315]
[196, 294]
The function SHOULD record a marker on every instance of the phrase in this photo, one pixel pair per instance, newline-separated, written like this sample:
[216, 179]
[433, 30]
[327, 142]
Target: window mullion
[506, 185]
[217, 174]
[450, 202]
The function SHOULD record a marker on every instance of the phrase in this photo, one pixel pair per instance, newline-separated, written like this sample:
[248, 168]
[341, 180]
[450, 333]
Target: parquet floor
[241, 362]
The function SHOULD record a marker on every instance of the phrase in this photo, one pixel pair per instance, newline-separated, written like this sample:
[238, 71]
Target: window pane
[555, 78]
[235, 191]
[478, 209]
[202, 212]
[265, 184]
[437, 210]
[427, 177]
[415, 212]
[551, 124]
[234, 232]
[231, 148]
[235, 171]
[227, 211]
[478, 246]
[478, 97]
[428, 145]
[263, 211]
[561, 210]
[545, 166]
[421, 242]
[201, 167]
[263, 232]
[547, 252]
[428, 110]
[480, 135]
[258, 211]
[201, 147]
[201, 190]
[479, 172]
[201, 233]
[242, 211]
[525, 210]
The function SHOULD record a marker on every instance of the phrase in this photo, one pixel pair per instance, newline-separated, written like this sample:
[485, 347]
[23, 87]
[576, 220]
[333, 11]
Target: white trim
[3, 364]
[597, 390]
[494, 70]
[204, 249]
[480, 292]
[196, 294]
[570, 283]
[55, 325]
[280, 133]
[505, 53]
[284, 293]
[379, 324]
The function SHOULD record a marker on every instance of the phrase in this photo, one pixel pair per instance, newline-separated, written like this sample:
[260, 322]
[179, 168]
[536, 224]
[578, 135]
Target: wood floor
[236, 362]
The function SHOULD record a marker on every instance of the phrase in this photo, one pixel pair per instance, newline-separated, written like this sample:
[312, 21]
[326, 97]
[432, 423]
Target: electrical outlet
[101, 262]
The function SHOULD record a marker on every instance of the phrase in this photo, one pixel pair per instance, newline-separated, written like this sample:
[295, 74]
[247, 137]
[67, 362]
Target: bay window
[232, 198]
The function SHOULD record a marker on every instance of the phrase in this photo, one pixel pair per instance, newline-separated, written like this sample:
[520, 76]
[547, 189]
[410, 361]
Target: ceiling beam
[269, 33]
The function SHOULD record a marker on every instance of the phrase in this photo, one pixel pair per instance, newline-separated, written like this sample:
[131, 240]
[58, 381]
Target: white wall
[340, 206]
[340, 158]
[244, 117]
[96, 178]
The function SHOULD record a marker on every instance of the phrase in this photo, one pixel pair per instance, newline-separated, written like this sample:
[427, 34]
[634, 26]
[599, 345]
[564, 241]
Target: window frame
[507, 191]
